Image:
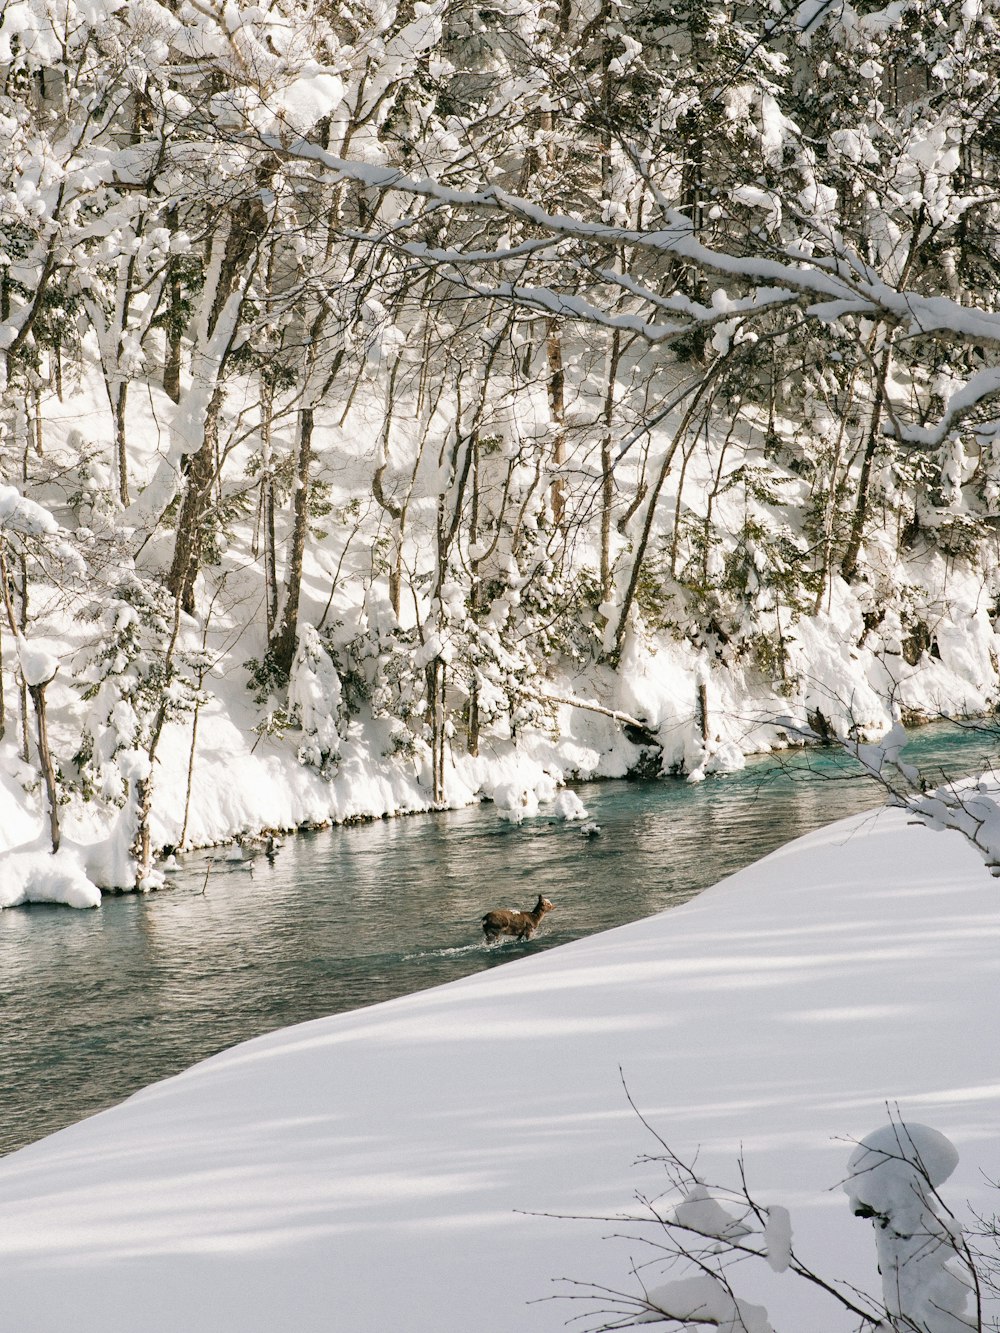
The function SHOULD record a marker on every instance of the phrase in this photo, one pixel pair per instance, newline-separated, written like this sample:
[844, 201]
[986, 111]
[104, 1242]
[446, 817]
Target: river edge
[521, 782]
[296, 939]
[810, 739]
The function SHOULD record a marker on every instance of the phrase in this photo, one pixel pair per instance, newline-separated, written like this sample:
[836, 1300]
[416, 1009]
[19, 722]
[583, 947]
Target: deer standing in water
[522, 925]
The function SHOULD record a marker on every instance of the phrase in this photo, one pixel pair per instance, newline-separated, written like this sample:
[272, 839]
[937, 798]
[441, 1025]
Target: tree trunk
[142, 851]
[37, 693]
[15, 628]
[232, 256]
[267, 506]
[121, 452]
[174, 323]
[435, 674]
[849, 564]
[475, 596]
[557, 411]
[395, 511]
[647, 528]
[35, 428]
[607, 473]
[190, 777]
[282, 645]
[191, 520]
[38, 700]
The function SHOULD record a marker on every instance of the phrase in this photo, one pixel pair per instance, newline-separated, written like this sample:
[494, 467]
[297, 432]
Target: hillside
[406, 405]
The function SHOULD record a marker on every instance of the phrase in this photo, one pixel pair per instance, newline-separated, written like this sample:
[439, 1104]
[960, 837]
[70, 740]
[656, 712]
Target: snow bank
[40, 877]
[334, 749]
[404, 1166]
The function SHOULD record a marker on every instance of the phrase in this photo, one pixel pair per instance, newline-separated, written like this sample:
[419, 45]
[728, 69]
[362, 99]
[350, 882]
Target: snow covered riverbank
[222, 780]
[216, 748]
[385, 1169]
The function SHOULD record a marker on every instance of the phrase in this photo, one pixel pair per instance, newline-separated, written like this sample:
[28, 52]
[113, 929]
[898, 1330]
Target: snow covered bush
[315, 703]
[928, 1281]
[932, 1276]
[126, 675]
[138, 675]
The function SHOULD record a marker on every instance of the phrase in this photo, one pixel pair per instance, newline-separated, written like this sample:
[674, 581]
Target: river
[97, 1004]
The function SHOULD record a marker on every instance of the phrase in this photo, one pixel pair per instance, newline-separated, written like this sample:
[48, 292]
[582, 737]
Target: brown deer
[522, 925]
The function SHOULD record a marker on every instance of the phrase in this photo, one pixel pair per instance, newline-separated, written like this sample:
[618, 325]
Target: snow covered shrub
[736, 593]
[28, 529]
[378, 676]
[389, 675]
[93, 500]
[558, 610]
[518, 626]
[701, 1235]
[315, 703]
[927, 1277]
[500, 674]
[136, 680]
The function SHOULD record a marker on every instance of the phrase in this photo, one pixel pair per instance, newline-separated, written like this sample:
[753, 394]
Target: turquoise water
[98, 1004]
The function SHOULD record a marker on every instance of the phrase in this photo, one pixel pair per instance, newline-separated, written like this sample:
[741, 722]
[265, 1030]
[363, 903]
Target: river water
[96, 1004]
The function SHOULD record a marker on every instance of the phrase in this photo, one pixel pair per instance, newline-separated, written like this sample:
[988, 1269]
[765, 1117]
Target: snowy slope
[225, 769]
[380, 1170]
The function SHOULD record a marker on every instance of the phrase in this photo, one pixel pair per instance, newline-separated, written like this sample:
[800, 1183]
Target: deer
[522, 925]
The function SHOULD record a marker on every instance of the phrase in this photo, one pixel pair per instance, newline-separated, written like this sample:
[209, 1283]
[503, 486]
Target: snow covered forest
[406, 402]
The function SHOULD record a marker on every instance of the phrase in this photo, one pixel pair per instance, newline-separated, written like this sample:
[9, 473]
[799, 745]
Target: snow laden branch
[706, 1238]
[823, 282]
[591, 706]
[970, 806]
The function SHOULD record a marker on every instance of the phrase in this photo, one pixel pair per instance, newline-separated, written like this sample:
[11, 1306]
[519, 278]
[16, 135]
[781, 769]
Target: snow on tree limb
[824, 286]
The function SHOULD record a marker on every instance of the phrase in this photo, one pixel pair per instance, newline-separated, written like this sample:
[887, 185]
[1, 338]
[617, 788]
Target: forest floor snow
[404, 1166]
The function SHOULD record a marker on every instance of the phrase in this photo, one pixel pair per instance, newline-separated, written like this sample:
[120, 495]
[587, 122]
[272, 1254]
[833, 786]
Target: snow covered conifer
[315, 702]
[138, 676]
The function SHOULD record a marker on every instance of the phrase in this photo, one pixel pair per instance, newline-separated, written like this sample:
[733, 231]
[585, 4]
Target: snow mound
[515, 802]
[704, 1300]
[893, 1178]
[41, 877]
[569, 806]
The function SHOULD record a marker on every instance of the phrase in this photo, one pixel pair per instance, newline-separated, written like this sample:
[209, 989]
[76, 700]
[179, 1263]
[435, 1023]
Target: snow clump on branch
[893, 1178]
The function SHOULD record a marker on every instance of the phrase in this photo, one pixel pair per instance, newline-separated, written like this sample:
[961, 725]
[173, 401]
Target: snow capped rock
[569, 806]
